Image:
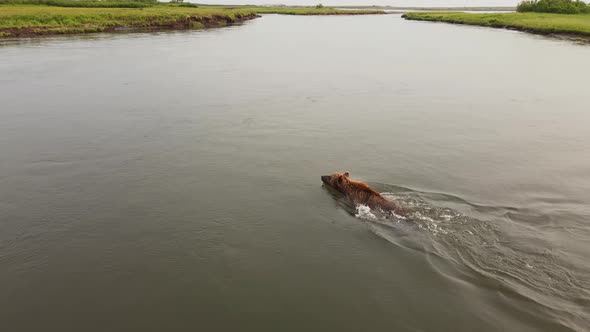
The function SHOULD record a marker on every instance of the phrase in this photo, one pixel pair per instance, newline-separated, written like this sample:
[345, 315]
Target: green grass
[35, 17]
[85, 3]
[542, 23]
[554, 6]
[26, 20]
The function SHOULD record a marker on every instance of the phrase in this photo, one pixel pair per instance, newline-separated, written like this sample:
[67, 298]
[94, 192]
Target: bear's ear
[346, 174]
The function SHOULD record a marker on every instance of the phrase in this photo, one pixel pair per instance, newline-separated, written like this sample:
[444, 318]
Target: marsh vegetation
[554, 6]
[542, 23]
[24, 18]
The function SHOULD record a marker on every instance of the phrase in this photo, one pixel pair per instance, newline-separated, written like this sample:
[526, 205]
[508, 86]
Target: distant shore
[569, 26]
[436, 9]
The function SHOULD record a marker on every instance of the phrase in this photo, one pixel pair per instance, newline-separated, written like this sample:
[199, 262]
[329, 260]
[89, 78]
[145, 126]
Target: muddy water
[171, 181]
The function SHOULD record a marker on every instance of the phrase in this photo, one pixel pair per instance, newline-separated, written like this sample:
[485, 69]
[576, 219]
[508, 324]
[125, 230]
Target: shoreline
[561, 26]
[437, 9]
[187, 23]
[26, 21]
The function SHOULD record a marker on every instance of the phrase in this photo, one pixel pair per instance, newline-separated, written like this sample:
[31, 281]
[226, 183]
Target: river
[171, 180]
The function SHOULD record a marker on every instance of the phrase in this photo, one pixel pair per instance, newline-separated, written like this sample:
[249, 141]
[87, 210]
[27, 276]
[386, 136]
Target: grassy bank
[89, 3]
[541, 23]
[25, 20]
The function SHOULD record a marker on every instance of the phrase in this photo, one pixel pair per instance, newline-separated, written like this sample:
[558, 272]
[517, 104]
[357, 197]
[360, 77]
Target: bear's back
[361, 193]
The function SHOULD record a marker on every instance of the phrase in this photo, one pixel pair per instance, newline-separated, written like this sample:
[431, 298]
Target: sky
[398, 3]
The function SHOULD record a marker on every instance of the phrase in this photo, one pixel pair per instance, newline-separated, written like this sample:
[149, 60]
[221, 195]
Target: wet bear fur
[357, 192]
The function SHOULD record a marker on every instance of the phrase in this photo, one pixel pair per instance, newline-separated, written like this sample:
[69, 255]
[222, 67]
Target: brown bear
[360, 193]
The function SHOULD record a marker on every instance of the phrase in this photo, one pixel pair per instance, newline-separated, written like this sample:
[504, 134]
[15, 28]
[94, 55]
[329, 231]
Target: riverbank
[27, 21]
[18, 21]
[576, 26]
[436, 9]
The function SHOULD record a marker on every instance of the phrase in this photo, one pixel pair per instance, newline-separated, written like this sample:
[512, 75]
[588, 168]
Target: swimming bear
[360, 193]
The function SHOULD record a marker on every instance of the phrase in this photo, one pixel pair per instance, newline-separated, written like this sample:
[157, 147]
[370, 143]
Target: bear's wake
[476, 239]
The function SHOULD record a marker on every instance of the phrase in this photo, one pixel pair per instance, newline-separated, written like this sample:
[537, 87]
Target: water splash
[364, 212]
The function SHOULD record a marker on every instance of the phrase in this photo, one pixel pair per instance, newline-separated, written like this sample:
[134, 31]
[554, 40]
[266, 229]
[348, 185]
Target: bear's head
[337, 181]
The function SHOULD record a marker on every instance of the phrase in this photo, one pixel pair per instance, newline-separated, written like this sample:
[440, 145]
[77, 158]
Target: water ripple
[509, 246]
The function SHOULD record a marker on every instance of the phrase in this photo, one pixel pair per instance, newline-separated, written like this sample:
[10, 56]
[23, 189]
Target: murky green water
[171, 181]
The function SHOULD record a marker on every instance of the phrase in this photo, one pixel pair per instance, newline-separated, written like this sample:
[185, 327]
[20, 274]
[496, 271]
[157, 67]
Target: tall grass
[27, 20]
[543, 23]
[84, 3]
[97, 3]
[42, 17]
[554, 6]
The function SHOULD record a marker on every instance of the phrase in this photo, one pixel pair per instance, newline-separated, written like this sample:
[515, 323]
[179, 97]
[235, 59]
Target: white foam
[364, 212]
[426, 217]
